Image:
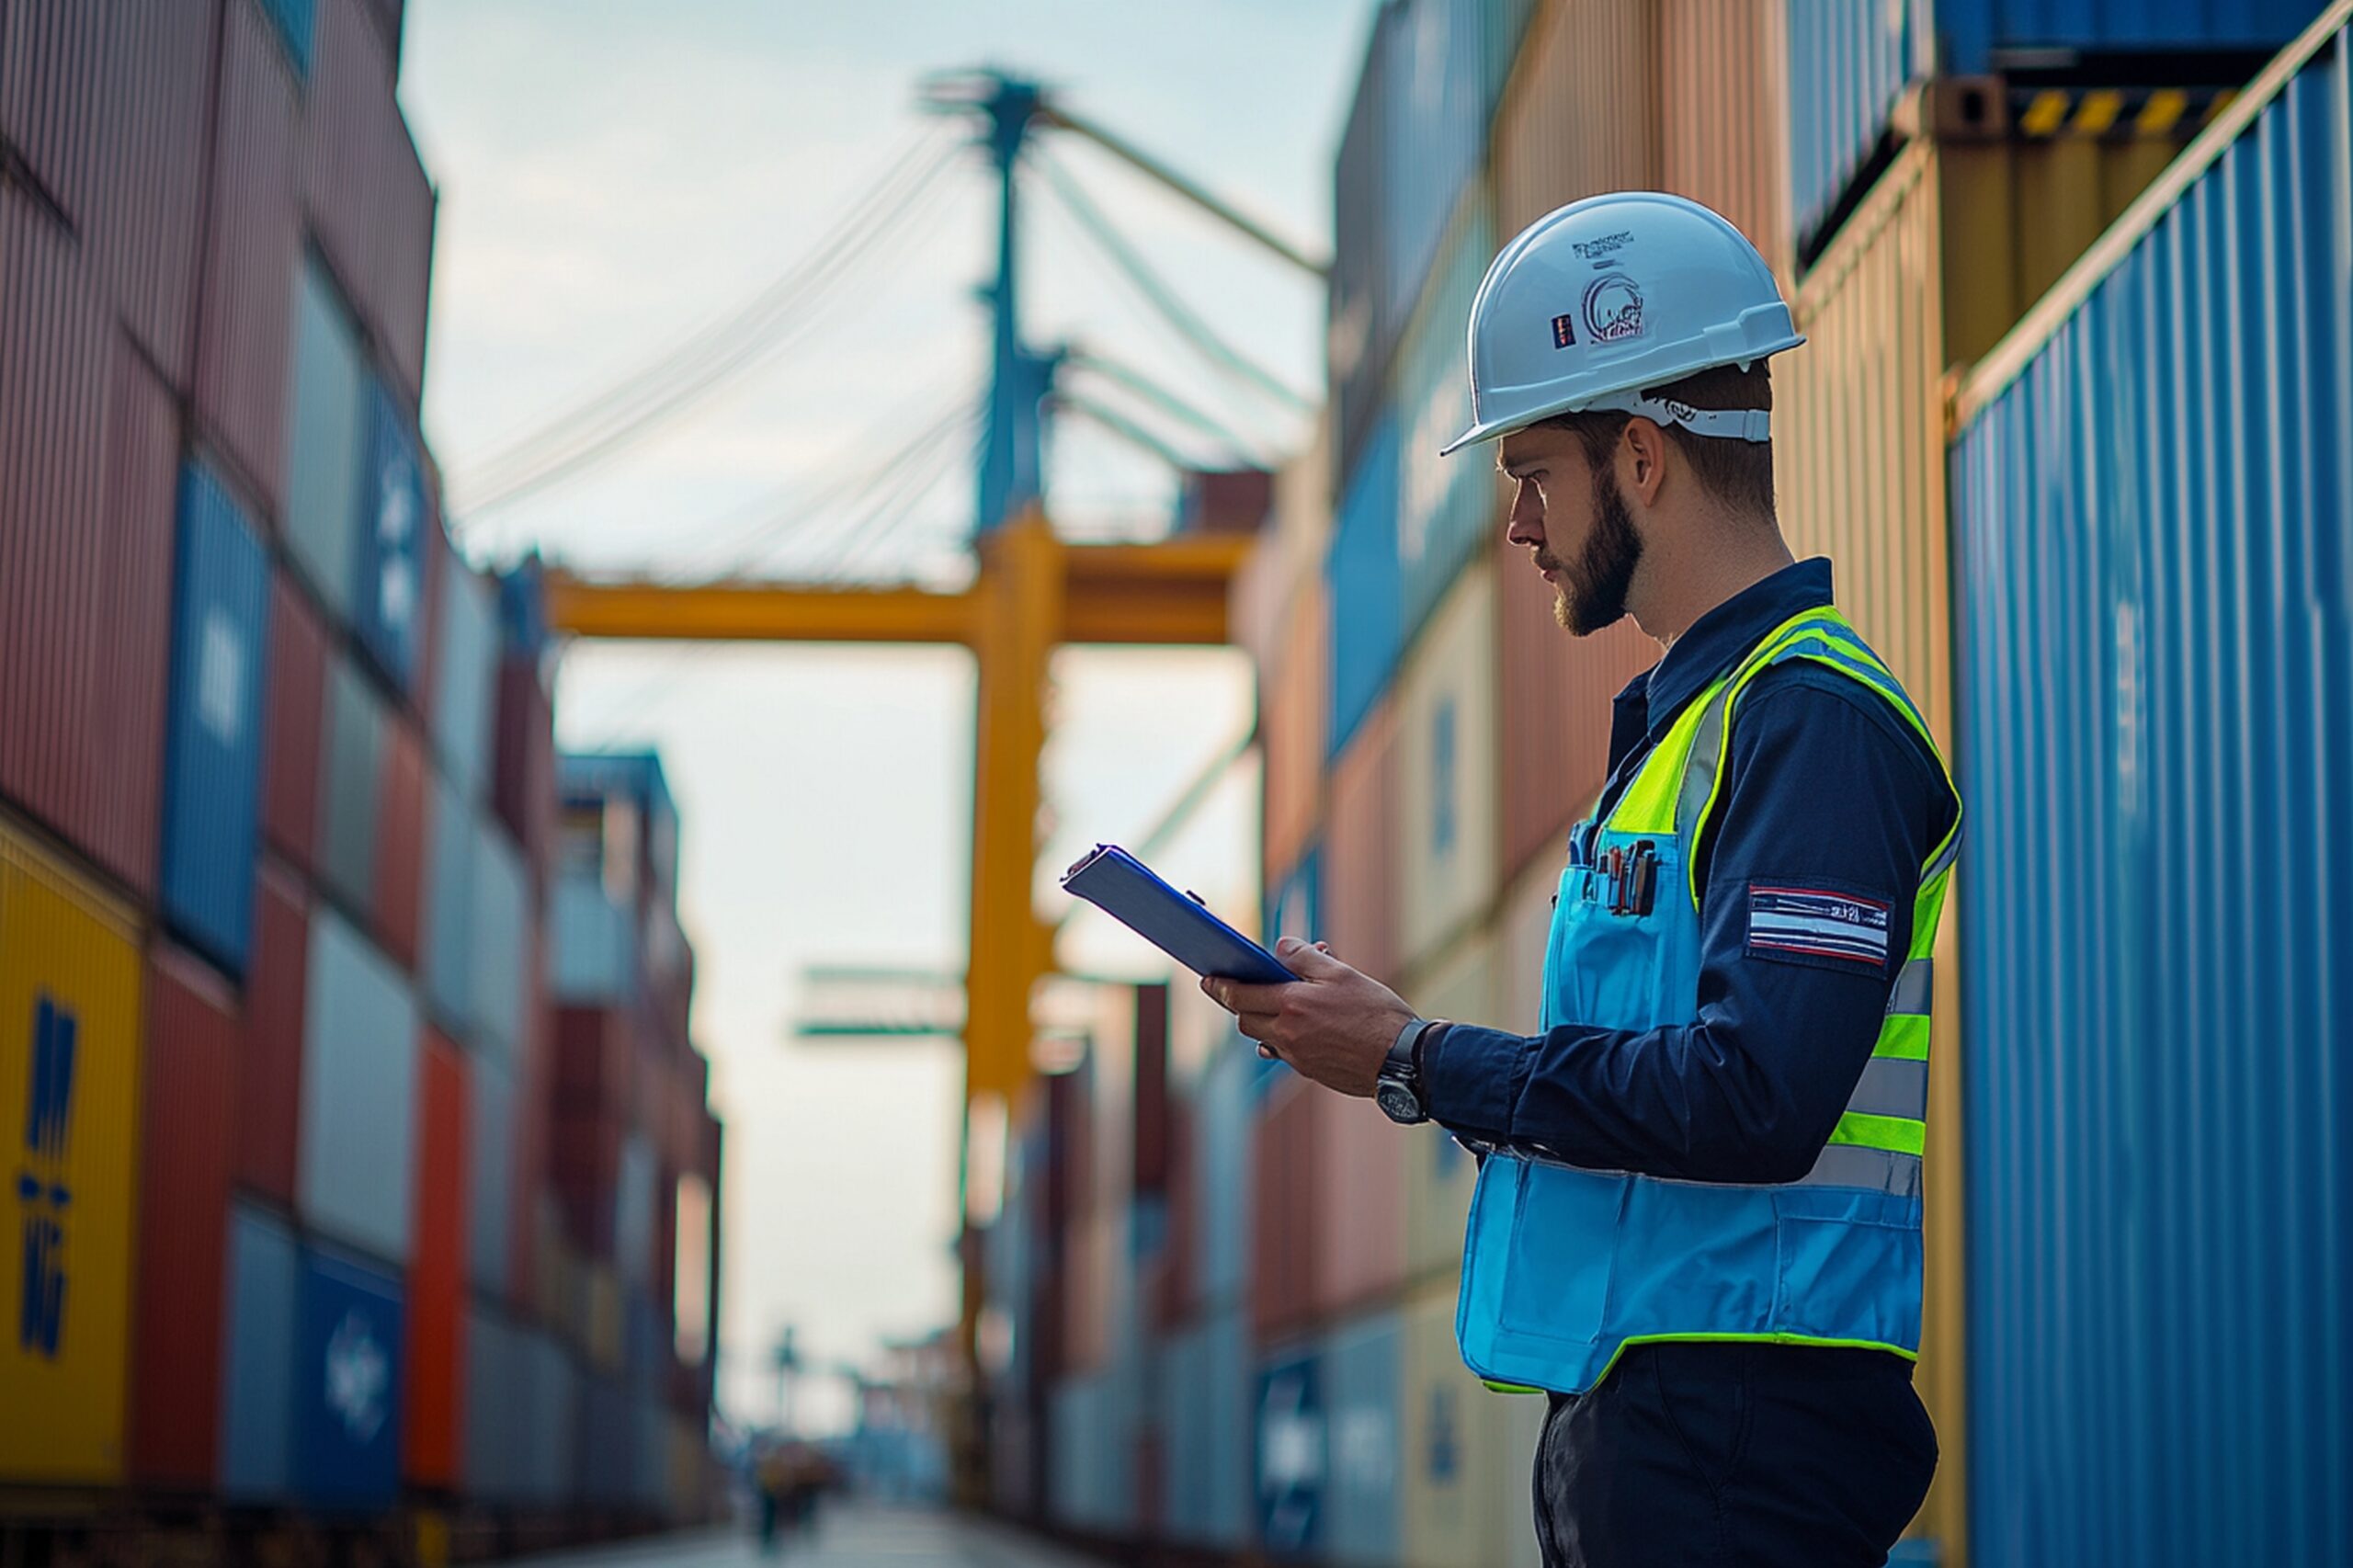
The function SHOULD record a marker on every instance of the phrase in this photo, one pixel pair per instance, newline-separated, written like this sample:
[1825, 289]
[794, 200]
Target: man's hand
[1332, 1024]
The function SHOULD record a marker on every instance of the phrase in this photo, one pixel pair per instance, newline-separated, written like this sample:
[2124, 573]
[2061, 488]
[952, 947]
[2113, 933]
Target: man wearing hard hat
[1697, 1226]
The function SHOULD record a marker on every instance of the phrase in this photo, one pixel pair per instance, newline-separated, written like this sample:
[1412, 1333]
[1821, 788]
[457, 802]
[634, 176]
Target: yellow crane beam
[1033, 592]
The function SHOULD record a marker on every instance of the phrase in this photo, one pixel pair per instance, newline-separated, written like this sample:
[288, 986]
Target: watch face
[1398, 1103]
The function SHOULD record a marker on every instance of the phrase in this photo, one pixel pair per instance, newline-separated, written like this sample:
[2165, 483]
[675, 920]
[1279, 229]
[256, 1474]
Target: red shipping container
[245, 320]
[185, 1142]
[583, 1168]
[1360, 849]
[1555, 697]
[400, 838]
[432, 1411]
[88, 470]
[110, 105]
[1357, 1205]
[595, 1061]
[270, 1086]
[297, 715]
[1286, 1156]
[367, 192]
[522, 787]
[1149, 1143]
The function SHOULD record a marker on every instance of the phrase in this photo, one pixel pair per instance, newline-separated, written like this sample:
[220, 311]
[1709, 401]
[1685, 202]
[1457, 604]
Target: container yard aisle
[848, 1536]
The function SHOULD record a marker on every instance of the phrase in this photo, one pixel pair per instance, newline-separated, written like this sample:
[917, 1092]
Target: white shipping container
[467, 676]
[358, 1148]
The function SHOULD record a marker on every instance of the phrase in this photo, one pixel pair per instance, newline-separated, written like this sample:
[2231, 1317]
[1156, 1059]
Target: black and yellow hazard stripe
[2115, 113]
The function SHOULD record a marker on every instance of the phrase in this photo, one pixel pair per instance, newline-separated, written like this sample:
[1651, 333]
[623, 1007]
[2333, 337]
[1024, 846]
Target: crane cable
[1160, 397]
[608, 422]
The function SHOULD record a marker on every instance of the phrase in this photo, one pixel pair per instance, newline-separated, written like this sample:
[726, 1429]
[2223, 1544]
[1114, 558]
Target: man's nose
[1525, 526]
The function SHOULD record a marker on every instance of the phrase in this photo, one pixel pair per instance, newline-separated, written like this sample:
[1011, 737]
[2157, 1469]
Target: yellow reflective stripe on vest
[1898, 1134]
[1904, 1037]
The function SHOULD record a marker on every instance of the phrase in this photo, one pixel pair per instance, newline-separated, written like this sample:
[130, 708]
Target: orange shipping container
[1723, 115]
[433, 1410]
[1360, 849]
[1356, 1215]
[191, 1073]
[1284, 1159]
[1580, 112]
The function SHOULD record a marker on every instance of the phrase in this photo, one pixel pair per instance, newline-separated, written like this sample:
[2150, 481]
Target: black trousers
[1735, 1456]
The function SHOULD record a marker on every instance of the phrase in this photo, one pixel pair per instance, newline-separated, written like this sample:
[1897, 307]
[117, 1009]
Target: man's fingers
[1257, 1025]
[1237, 996]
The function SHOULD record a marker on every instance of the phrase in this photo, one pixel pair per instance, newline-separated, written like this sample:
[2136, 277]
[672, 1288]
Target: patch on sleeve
[1793, 920]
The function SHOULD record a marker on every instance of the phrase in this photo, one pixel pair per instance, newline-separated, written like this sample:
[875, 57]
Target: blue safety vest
[1564, 1267]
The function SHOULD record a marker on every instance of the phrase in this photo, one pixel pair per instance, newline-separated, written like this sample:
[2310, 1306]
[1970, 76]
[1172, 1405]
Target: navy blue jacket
[1826, 784]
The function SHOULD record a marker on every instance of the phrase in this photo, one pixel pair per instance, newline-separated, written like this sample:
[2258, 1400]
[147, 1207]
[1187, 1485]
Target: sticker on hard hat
[1564, 332]
[1613, 308]
[1588, 249]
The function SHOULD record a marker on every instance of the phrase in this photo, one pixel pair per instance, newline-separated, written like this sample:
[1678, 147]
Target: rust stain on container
[190, 1125]
[1580, 114]
[88, 446]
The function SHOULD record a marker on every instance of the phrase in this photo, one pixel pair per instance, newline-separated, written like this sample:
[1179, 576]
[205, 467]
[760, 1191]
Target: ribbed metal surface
[388, 600]
[465, 671]
[495, 1421]
[89, 461]
[1557, 690]
[1223, 1179]
[351, 784]
[447, 967]
[269, 1075]
[1438, 1174]
[191, 1076]
[1723, 115]
[1445, 505]
[1450, 1445]
[1284, 1157]
[213, 746]
[551, 1384]
[244, 319]
[490, 1173]
[294, 738]
[321, 518]
[1848, 64]
[1362, 1366]
[347, 1349]
[1974, 36]
[296, 22]
[433, 1357]
[499, 938]
[1580, 114]
[1436, 102]
[1205, 1475]
[1361, 335]
[2154, 591]
[257, 1370]
[1446, 746]
[397, 884]
[1360, 851]
[358, 1092]
[1356, 1241]
[1363, 587]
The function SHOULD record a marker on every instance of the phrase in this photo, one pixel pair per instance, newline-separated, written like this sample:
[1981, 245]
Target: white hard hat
[1604, 297]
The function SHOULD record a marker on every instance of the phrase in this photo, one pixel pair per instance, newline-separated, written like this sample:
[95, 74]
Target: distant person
[771, 1478]
[1697, 1225]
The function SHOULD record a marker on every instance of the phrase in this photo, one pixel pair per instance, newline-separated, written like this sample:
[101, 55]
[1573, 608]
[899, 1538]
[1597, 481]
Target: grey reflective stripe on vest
[1915, 986]
[1878, 1170]
[1891, 1087]
[1942, 860]
[1700, 766]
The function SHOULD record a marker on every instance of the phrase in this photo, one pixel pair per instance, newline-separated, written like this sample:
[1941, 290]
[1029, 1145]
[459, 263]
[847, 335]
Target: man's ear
[1644, 445]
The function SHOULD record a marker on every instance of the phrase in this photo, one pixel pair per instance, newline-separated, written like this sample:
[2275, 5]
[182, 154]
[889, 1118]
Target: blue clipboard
[1179, 924]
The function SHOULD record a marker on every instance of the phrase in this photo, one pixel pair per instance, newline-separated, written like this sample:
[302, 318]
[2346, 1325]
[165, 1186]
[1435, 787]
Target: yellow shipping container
[1955, 242]
[1446, 746]
[1454, 1434]
[1440, 1172]
[70, 994]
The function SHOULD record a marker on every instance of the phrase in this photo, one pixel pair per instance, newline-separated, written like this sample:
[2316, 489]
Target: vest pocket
[1563, 1238]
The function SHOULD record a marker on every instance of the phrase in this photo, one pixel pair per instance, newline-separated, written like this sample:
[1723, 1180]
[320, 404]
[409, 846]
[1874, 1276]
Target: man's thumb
[1305, 958]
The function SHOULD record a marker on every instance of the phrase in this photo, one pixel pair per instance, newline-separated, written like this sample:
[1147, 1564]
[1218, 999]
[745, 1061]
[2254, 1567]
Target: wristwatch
[1398, 1088]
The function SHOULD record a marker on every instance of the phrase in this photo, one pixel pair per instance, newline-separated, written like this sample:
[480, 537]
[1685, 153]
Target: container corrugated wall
[1357, 347]
[1847, 65]
[269, 1076]
[397, 883]
[189, 1125]
[498, 938]
[212, 752]
[1360, 850]
[297, 722]
[466, 671]
[1362, 586]
[320, 516]
[69, 985]
[1203, 1395]
[1723, 115]
[2148, 493]
[1972, 34]
[1452, 1438]
[389, 595]
[1447, 745]
[358, 1092]
[1580, 114]
[348, 1377]
[1283, 1211]
[1436, 101]
[491, 1172]
[1357, 1248]
[1290, 1446]
[1439, 1172]
[1445, 505]
[351, 783]
[433, 1400]
[1360, 1372]
[256, 1364]
[88, 456]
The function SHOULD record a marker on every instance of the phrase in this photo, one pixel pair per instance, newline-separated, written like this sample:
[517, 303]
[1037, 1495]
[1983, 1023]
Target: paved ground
[848, 1536]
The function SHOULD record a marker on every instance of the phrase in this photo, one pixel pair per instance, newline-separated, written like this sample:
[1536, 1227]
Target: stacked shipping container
[1919, 175]
[273, 1005]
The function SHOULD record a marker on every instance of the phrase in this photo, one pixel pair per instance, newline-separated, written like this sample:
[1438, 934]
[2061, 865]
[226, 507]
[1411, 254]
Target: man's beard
[1593, 588]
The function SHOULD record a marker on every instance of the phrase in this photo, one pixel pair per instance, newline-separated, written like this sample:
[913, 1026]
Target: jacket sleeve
[1824, 786]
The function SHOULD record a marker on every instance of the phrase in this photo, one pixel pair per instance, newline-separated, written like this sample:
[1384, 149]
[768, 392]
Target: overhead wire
[1120, 425]
[613, 420]
[1156, 293]
[1167, 401]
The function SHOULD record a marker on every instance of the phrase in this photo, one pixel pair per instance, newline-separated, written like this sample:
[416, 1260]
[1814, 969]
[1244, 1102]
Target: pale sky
[615, 174]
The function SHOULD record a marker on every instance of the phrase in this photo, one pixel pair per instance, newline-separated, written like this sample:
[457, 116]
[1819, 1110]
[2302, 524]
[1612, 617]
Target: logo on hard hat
[1613, 308]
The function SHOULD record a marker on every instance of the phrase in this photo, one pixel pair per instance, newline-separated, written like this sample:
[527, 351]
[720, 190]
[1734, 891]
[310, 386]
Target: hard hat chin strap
[1728, 424]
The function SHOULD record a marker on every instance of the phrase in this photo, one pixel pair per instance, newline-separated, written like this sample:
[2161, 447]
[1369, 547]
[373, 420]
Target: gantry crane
[1032, 592]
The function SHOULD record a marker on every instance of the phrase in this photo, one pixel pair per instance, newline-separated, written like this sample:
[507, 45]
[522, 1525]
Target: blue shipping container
[1848, 65]
[347, 1385]
[449, 906]
[1439, 67]
[256, 1374]
[2151, 499]
[388, 589]
[1289, 1444]
[295, 21]
[490, 1173]
[1445, 506]
[496, 1419]
[1205, 1454]
[498, 938]
[1977, 35]
[213, 746]
[1293, 909]
[1363, 576]
[1361, 335]
[550, 1385]
[1361, 1369]
[1091, 1445]
[1222, 1175]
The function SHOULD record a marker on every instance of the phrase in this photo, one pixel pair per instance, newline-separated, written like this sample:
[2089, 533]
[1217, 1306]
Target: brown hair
[1739, 473]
